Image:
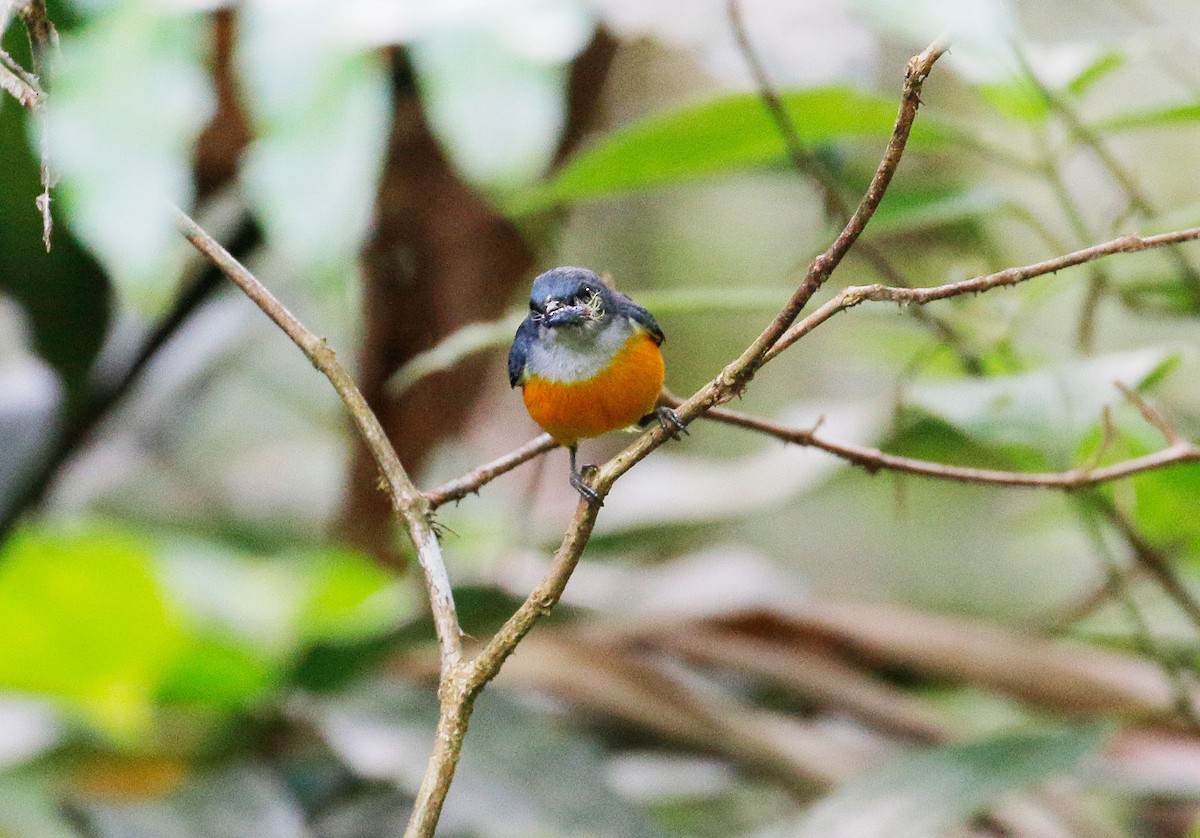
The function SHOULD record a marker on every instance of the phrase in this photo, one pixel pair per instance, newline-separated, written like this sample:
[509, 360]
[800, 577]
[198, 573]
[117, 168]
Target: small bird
[587, 361]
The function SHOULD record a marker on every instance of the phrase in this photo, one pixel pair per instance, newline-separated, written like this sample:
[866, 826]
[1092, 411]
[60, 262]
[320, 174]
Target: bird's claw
[670, 422]
[585, 491]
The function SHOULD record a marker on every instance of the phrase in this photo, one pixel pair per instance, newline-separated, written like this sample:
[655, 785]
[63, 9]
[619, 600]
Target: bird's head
[570, 297]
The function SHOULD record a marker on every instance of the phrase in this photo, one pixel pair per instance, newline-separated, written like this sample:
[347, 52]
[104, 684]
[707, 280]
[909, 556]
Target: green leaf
[496, 104]
[1046, 410]
[321, 111]
[925, 794]
[86, 621]
[902, 212]
[131, 95]
[727, 134]
[278, 605]
[1101, 66]
[1155, 118]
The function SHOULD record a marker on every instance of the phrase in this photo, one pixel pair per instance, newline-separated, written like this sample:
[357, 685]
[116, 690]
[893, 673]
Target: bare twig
[836, 208]
[1154, 562]
[1118, 585]
[873, 460]
[855, 295]
[407, 501]
[477, 477]
[26, 87]
[1139, 201]
[731, 381]
[19, 83]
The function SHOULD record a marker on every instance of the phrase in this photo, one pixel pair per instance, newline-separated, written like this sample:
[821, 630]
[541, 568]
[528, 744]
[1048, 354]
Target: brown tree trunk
[440, 258]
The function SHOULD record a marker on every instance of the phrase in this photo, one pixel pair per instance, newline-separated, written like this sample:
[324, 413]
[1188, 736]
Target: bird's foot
[585, 491]
[670, 422]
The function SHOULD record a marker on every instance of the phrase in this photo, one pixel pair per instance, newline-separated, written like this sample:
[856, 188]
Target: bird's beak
[560, 314]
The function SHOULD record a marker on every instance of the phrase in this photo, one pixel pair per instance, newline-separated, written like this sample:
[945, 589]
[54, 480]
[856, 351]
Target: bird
[587, 360]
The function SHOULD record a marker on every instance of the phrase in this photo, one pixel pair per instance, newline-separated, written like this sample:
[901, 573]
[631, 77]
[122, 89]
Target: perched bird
[587, 361]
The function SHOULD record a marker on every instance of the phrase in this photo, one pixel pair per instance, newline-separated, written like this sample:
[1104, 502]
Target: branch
[1151, 560]
[836, 208]
[406, 500]
[20, 84]
[1138, 200]
[457, 703]
[857, 294]
[43, 40]
[873, 460]
[477, 477]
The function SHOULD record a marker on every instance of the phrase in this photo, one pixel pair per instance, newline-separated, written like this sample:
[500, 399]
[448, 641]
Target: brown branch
[857, 294]
[1138, 200]
[836, 208]
[409, 503]
[873, 460]
[456, 705]
[43, 40]
[477, 477]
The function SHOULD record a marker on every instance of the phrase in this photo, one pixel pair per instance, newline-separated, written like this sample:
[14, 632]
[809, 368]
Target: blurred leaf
[1158, 296]
[1165, 506]
[1047, 410]
[1101, 66]
[498, 106]
[85, 620]
[521, 773]
[64, 292]
[906, 212]
[130, 97]
[350, 598]
[1017, 98]
[221, 672]
[320, 110]
[275, 606]
[28, 810]
[726, 134]
[1155, 118]
[923, 795]
[240, 802]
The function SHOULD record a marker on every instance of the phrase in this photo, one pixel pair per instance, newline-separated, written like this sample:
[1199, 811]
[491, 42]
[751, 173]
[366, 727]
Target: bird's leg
[668, 419]
[587, 492]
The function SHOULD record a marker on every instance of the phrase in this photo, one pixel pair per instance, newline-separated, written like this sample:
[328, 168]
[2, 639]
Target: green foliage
[116, 625]
[728, 134]
[130, 98]
[95, 627]
[320, 112]
[1047, 410]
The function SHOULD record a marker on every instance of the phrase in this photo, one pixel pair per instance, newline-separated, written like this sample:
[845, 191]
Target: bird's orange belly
[618, 397]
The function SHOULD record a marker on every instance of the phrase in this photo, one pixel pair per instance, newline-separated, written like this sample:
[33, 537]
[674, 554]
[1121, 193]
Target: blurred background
[209, 622]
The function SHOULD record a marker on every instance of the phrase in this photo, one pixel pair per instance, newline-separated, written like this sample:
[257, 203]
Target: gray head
[570, 296]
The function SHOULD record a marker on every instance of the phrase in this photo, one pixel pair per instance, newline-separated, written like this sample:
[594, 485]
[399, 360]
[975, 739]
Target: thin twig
[1155, 563]
[20, 84]
[836, 208]
[855, 295]
[1139, 201]
[873, 460]
[477, 477]
[732, 380]
[1143, 635]
[406, 499]
[43, 42]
